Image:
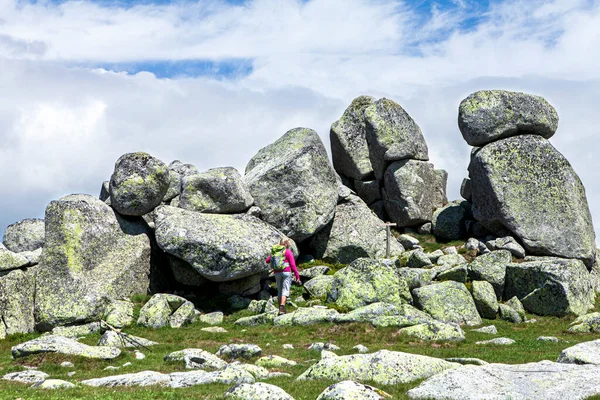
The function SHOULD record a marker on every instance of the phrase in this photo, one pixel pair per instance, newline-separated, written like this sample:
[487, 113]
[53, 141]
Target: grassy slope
[271, 339]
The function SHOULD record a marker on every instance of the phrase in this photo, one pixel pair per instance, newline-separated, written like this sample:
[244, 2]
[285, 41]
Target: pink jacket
[289, 258]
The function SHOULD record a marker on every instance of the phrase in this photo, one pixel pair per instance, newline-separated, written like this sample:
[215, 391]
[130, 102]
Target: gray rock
[120, 313]
[349, 149]
[218, 190]
[113, 339]
[246, 286]
[551, 287]
[261, 306]
[516, 305]
[485, 299]
[91, 256]
[450, 251]
[507, 243]
[367, 313]
[418, 259]
[258, 390]
[509, 314]
[10, 260]
[407, 316]
[491, 329]
[214, 329]
[541, 380]
[581, 353]
[355, 232]
[183, 169]
[157, 312]
[361, 349]
[27, 376]
[255, 370]
[408, 242]
[174, 189]
[138, 183]
[501, 341]
[75, 331]
[63, 345]
[197, 359]
[435, 330]
[350, 390]
[491, 267]
[448, 222]
[184, 315]
[184, 273]
[260, 319]
[67, 364]
[234, 351]
[320, 346]
[25, 235]
[313, 272]
[472, 244]
[51, 384]
[220, 247]
[306, 316]
[33, 257]
[320, 286]
[144, 378]
[457, 273]
[552, 339]
[448, 301]
[586, 323]
[275, 362]
[383, 368]
[104, 191]
[302, 199]
[367, 281]
[426, 228]
[213, 318]
[17, 289]
[489, 115]
[466, 189]
[416, 277]
[525, 175]
[238, 302]
[368, 191]
[392, 135]
[451, 259]
[466, 361]
[411, 192]
[435, 256]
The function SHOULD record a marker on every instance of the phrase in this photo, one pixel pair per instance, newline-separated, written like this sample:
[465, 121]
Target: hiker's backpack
[278, 262]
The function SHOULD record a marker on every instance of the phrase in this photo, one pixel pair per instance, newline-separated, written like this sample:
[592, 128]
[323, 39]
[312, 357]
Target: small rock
[499, 341]
[214, 329]
[258, 390]
[110, 368]
[327, 354]
[239, 351]
[450, 250]
[278, 374]
[360, 348]
[71, 374]
[288, 346]
[509, 314]
[320, 346]
[466, 361]
[548, 339]
[28, 376]
[214, 318]
[275, 362]
[127, 364]
[196, 359]
[139, 355]
[408, 242]
[491, 329]
[67, 364]
[50, 384]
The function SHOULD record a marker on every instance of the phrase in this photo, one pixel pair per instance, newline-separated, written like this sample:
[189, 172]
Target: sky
[211, 82]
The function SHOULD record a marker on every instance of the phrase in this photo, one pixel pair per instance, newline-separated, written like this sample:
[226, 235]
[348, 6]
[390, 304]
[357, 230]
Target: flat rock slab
[581, 353]
[51, 384]
[350, 390]
[63, 345]
[258, 390]
[383, 367]
[27, 376]
[196, 359]
[542, 380]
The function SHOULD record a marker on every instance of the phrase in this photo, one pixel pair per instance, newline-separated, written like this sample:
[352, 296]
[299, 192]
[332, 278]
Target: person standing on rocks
[282, 263]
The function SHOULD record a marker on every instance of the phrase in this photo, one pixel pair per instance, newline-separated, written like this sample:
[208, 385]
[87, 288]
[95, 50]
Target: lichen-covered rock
[246, 286]
[91, 256]
[27, 376]
[257, 391]
[418, 259]
[197, 359]
[220, 247]
[350, 390]
[392, 135]
[355, 232]
[238, 302]
[120, 313]
[554, 286]
[213, 318]
[320, 346]
[485, 299]
[489, 115]
[501, 341]
[113, 339]
[367, 281]
[306, 316]
[17, 290]
[157, 312]
[234, 351]
[319, 286]
[383, 367]
[368, 313]
[491, 329]
[349, 149]
[515, 178]
[491, 267]
[435, 330]
[10, 260]
[294, 184]
[516, 305]
[52, 384]
[63, 345]
[586, 323]
[25, 235]
[261, 306]
[144, 378]
[408, 242]
[416, 277]
[412, 192]
[218, 190]
[313, 272]
[259, 319]
[275, 362]
[184, 273]
[509, 314]
[32, 256]
[138, 183]
[174, 189]
[551, 381]
[185, 314]
[74, 331]
[507, 243]
[581, 353]
[457, 273]
[448, 222]
[368, 191]
[448, 302]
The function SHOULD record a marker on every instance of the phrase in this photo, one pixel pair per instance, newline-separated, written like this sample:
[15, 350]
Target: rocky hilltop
[158, 228]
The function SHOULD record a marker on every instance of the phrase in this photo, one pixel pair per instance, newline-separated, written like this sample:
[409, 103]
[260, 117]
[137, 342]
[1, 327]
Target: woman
[283, 266]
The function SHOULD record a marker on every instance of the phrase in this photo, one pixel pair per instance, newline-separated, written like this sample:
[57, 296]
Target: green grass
[271, 339]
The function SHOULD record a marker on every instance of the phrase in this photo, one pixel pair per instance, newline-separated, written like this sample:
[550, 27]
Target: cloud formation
[65, 118]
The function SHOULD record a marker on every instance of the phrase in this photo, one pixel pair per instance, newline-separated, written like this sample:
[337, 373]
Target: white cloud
[62, 127]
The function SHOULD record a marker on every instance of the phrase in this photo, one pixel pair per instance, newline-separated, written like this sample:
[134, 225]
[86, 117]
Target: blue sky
[211, 82]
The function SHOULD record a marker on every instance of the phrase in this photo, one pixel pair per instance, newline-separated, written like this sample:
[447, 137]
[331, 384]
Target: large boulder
[138, 183]
[294, 184]
[412, 190]
[367, 281]
[392, 135]
[25, 235]
[218, 190]
[349, 150]
[448, 302]
[91, 256]
[551, 286]
[524, 185]
[220, 247]
[16, 302]
[355, 232]
[489, 115]
[581, 353]
[448, 222]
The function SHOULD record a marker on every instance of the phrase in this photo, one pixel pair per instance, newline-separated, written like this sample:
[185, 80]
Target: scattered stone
[491, 329]
[306, 316]
[228, 376]
[213, 318]
[313, 272]
[457, 273]
[319, 286]
[139, 355]
[160, 309]
[418, 259]
[320, 346]
[502, 341]
[27, 376]
[435, 256]
[238, 302]
[113, 339]
[288, 346]
[144, 378]
[71, 374]
[408, 242]
[255, 370]
[275, 362]
[450, 250]
[507, 243]
[258, 390]
[127, 364]
[260, 319]
[63, 345]
[416, 277]
[214, 329]
[51, 384]
[548, 339]
[435, 330]
[196, 359]
[110, 368]
[234, 351]
[67, 364]
[347, 390]
[367, 313]
[360, 348]
[516, 305]
[449, 302]
[278, 374]
[581, 353]
[485, 299]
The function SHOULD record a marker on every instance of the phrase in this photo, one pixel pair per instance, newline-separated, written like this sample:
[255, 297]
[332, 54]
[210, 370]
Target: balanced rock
[355, 232]
[218, 190]
[448, 302]
[294, 184]
[489, 115]
[220, 247]
[91, 256]
[138, 183]
[17, 290]
[63, 345]
[412, 191]
[25, 235]
[515, 178]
